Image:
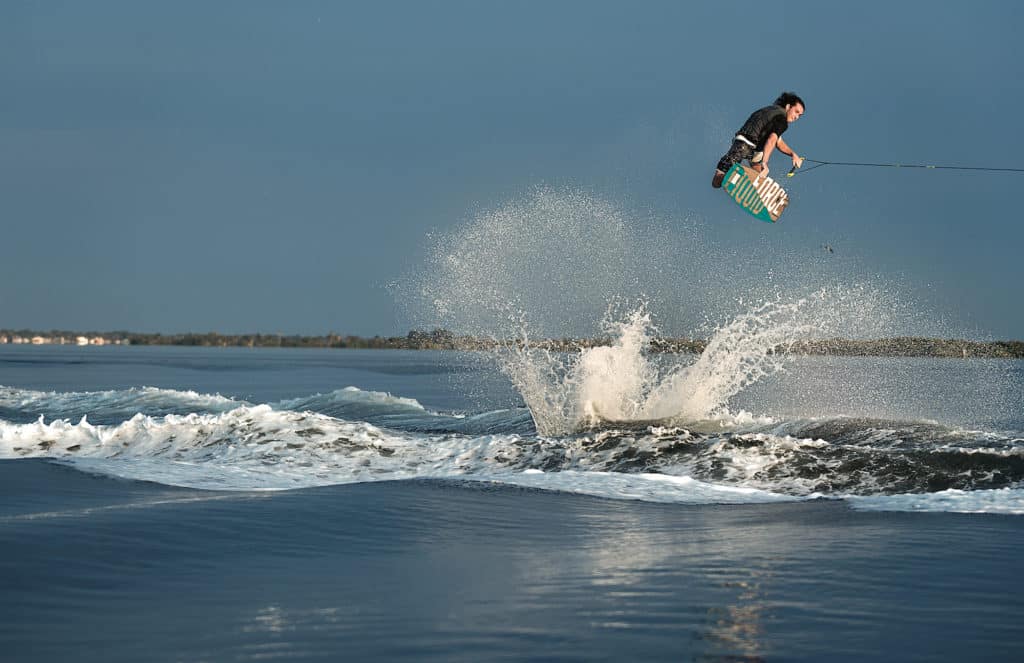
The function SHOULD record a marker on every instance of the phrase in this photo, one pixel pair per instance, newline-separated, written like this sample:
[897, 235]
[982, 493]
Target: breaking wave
[872, 463]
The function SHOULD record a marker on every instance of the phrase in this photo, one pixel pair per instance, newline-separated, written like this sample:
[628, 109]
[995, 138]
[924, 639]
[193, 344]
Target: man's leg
[757, 161]
[737, 152]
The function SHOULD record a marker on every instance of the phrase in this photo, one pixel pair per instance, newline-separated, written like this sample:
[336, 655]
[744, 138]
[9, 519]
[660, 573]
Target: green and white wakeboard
[758, 194]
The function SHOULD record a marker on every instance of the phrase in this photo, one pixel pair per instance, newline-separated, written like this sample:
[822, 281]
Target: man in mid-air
[760, 135]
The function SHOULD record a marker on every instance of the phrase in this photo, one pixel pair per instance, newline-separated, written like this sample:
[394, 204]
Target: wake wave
[407, 414]
[287, 445]
[23, 405]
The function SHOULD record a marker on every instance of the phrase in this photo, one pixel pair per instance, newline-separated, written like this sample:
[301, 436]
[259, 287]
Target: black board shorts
[738, 152]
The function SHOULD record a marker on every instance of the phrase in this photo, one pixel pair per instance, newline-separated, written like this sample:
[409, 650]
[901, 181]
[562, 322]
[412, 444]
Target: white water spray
[624, 382]
[550, 266]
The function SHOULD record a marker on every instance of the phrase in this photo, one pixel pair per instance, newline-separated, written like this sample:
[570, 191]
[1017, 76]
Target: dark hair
[789, 99]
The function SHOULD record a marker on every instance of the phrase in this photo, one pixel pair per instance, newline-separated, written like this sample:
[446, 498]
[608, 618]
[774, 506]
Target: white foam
[255, 448]
[260, 448]
[1008, 501]
[352, 396]
[645, 487]
[113, 400]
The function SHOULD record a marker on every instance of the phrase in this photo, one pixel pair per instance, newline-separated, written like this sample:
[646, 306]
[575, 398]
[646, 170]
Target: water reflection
[738, 627]
[697, 586]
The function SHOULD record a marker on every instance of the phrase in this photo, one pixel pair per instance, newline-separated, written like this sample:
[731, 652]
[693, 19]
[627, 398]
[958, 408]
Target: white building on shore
[39, 339]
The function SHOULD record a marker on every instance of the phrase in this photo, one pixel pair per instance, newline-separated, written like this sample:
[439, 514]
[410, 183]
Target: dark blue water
[441, 380]
[459, 561]
[100, 569]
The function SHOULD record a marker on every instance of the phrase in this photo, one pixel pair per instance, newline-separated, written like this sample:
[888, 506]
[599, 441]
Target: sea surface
[190, 504]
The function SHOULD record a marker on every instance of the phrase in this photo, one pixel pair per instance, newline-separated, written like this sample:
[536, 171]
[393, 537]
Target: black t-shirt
[763, 123]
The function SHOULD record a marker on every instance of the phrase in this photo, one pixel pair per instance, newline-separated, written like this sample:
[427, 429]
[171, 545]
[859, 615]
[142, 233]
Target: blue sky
[270, 166]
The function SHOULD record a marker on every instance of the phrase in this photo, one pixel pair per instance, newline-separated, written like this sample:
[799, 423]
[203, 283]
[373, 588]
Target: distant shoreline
[444, 340]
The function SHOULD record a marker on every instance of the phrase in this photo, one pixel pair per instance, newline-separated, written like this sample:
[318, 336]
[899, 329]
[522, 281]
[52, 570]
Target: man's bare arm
[788, 151]
[769, 147]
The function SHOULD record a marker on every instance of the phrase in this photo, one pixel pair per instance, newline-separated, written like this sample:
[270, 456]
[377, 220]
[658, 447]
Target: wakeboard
[759, 195]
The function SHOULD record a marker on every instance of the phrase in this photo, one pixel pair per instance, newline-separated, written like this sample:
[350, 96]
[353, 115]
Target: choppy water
[899, 434]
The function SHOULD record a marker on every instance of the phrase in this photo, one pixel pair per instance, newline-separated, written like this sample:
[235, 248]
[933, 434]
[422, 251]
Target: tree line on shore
[441, 339]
